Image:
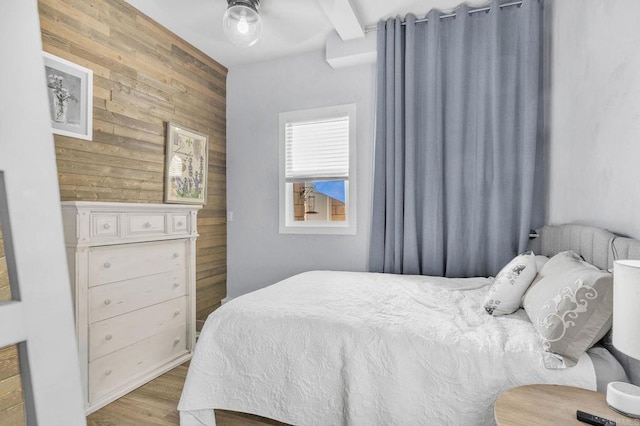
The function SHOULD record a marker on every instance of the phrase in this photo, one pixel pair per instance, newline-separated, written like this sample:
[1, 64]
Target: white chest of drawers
[132, 269]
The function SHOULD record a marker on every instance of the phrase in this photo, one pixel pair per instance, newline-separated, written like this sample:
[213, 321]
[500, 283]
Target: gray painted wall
[594, 139]
[257, 254]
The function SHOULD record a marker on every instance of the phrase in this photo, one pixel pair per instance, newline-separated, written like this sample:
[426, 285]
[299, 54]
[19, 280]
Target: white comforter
[336, 348]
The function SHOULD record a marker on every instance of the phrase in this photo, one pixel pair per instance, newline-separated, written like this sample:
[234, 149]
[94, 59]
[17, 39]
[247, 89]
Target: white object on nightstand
[625, 397]
[132, 269]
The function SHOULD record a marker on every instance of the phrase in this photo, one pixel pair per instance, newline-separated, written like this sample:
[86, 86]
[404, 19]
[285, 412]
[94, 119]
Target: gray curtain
[458, 179]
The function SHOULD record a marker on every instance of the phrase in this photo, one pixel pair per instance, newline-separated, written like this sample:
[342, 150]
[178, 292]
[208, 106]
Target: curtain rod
[450, 15]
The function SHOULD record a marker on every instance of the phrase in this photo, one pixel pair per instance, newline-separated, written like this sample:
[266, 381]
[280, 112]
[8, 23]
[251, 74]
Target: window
[317, 171]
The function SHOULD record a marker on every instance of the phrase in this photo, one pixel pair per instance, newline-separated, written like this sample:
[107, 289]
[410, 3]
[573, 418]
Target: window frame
[286, 223]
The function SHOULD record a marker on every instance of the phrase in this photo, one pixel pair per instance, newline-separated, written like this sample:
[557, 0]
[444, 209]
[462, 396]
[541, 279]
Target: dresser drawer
[104, 225]
[118, 332]
[118, 263]
[180, 223]
[109, 300]
[119, 369]
[145, 224]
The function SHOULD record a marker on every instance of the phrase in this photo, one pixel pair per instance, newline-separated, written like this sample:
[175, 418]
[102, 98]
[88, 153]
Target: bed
[333, 348]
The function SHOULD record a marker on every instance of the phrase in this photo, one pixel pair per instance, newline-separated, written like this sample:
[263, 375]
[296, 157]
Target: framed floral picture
[186, 168]
[70, 90]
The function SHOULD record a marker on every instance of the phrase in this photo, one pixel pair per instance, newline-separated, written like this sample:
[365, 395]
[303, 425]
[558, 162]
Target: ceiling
[288, 26]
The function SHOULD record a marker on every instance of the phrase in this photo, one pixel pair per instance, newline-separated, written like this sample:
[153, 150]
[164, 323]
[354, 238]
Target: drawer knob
[176, 255]
[176, 313]
[147, 224]
[107, 373]
[106, 226]
[107, 264]
[107, 301]
[108, 337]
[180, 223]
[176, 285]
[175, 342]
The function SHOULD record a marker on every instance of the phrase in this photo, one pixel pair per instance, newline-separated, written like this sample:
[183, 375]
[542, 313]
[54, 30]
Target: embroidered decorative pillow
[571, 306]
[510, 284]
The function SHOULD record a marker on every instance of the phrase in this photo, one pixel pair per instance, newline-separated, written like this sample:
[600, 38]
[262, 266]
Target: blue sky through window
[333, 189]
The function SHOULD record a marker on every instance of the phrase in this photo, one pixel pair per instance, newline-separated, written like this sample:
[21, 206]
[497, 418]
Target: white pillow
[541, 261]
[510, 285]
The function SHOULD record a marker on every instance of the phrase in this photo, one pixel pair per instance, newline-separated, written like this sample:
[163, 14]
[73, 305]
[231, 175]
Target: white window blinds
[317, 149]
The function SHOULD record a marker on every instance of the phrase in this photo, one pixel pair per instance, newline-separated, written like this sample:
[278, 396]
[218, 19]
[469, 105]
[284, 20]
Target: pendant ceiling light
[241, 22]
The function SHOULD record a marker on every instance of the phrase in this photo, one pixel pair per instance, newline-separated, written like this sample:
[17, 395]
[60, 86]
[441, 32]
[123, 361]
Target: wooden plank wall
[144, 77]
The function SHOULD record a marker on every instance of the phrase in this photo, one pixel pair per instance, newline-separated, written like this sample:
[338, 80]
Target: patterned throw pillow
[571, 307]
[510, 284]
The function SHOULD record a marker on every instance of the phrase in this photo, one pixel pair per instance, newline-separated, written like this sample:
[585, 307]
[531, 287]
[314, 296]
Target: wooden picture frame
[186, 166]
[70, 92]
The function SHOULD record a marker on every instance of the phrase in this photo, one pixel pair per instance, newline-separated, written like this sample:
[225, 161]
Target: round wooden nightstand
[537, 405]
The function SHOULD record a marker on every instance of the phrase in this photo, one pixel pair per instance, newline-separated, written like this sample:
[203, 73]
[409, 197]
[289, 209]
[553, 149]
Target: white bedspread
[342, 348]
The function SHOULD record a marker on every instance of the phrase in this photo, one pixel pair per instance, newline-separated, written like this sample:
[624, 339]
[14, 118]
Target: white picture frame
[70, 94]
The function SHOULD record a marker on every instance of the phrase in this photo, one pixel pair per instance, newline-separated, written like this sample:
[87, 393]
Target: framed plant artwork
[70, 89]
[186, 168]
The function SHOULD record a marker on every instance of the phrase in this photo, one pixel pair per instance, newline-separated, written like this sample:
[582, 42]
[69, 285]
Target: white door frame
[40, 317]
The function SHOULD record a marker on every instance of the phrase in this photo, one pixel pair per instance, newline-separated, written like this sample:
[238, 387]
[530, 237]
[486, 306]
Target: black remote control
[593, 420]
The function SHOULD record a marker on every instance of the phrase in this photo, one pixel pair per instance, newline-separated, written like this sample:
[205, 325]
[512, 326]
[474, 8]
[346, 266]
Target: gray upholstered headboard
[593, 244]
[600, 248]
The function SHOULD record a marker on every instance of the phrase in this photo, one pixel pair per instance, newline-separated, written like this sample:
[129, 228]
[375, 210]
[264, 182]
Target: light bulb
[242, 23]
[243, 26]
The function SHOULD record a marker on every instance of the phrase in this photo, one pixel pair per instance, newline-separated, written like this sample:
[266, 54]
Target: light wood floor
[155, 404]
